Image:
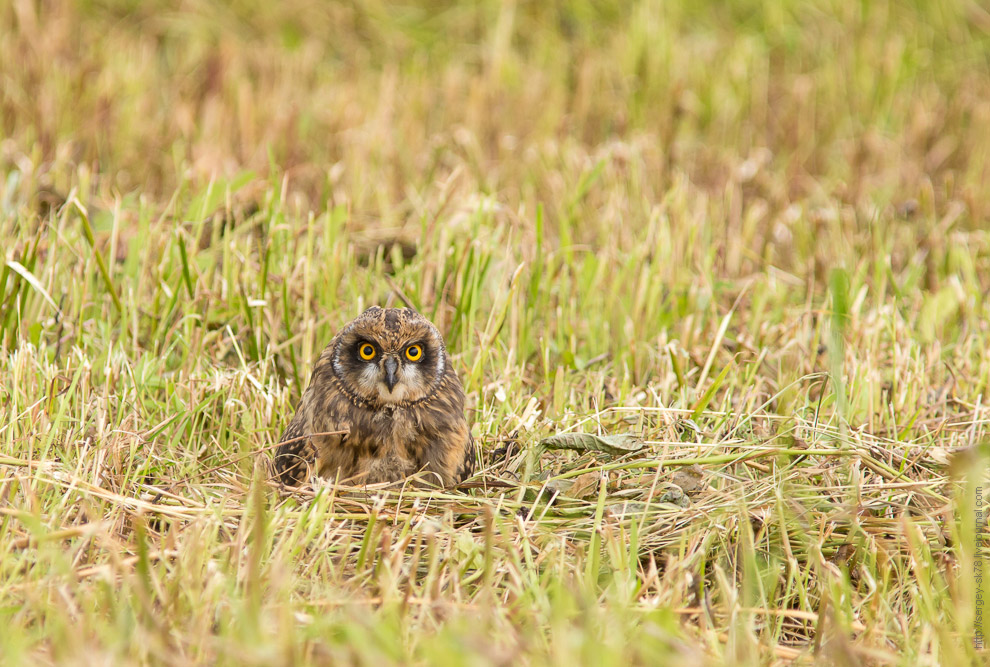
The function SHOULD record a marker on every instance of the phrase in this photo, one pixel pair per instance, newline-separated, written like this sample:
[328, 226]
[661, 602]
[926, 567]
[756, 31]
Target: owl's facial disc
[390, 356]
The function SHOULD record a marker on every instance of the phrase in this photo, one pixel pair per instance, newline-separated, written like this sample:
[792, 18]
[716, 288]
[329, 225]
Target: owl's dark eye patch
[366, 351]
[420, 353]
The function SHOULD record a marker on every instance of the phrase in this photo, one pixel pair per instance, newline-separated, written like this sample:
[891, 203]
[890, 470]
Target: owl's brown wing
[314, 432]
[466, 467]
[295, 454]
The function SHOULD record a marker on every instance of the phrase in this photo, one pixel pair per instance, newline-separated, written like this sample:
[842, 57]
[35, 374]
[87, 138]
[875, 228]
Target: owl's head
[390, 355]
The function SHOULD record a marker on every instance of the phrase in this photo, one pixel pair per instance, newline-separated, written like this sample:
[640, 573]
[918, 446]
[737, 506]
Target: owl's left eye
[367, 351]
[414, 353]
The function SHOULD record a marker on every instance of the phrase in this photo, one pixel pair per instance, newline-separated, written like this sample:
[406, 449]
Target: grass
[752, 235]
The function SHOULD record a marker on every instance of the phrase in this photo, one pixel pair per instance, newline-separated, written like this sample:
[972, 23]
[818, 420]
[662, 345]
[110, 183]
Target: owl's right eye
[367, 351]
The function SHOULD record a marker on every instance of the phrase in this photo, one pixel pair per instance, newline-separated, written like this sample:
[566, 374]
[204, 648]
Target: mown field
[753, 237]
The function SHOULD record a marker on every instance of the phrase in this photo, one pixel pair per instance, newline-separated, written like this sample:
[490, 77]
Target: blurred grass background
[735, 229]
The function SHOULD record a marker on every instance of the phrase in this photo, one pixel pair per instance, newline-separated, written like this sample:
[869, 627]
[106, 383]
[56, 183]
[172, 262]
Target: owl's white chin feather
[397, 395]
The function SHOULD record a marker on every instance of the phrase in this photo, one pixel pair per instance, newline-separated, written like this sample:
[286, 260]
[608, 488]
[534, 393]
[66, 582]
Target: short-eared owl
[384, 402]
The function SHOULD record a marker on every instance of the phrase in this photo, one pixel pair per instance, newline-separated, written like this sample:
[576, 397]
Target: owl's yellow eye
[414, 353]
[367, 351]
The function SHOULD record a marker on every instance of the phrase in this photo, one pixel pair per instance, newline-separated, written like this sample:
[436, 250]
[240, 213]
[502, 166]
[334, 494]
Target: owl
[383, 403]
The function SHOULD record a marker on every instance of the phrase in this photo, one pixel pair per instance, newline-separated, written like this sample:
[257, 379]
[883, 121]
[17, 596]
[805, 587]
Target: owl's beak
[391, 366]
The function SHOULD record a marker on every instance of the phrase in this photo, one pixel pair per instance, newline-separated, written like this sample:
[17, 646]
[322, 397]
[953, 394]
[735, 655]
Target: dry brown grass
[752, 235]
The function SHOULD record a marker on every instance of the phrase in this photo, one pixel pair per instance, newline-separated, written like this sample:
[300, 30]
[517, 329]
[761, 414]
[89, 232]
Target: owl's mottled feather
[352, 426]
